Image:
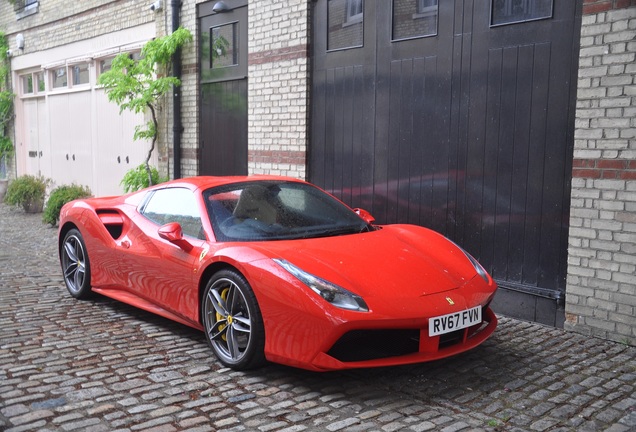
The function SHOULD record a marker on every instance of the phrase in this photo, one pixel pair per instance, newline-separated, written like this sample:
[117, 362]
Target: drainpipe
[177, 126]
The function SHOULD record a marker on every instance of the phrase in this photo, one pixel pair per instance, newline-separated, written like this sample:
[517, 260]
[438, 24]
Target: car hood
[407, 261]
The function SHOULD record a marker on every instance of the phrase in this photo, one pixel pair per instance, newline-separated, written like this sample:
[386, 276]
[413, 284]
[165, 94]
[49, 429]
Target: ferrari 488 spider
[276, 269]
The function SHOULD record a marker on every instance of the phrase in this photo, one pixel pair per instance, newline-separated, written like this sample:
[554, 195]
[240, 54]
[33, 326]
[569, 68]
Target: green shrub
[137, 178]
[60, 196]
[27, 191]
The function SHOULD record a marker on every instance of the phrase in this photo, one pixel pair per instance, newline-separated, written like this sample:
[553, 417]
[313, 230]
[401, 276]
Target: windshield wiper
[338, 231]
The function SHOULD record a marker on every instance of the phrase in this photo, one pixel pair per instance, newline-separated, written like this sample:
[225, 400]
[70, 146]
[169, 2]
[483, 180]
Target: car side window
[175, 205]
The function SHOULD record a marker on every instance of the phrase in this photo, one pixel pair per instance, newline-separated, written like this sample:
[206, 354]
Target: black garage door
[457, 116]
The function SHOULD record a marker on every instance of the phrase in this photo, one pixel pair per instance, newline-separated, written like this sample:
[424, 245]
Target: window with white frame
[345, 24]
[76, 74]
[24, 8]
[32, 84]
[59, 77]
[518, 11]
[426, 7]
[105, 65]
[414, 19]
[354, 11]
[79, 73]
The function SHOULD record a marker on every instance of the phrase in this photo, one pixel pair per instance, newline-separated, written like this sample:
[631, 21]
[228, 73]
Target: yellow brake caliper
[219, 317]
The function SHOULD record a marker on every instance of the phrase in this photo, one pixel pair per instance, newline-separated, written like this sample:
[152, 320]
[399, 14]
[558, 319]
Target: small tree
[136, 85]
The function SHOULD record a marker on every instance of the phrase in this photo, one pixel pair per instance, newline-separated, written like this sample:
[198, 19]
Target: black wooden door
[457, 116]
[223, 83]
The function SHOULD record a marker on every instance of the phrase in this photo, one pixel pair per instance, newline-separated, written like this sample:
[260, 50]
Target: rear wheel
[233, 322]
[75, 265]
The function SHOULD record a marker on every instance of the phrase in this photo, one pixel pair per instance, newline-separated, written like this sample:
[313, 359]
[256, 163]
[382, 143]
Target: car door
[159, 270]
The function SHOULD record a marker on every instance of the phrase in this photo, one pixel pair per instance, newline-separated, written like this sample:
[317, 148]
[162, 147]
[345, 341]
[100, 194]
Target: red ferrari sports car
[276, 269]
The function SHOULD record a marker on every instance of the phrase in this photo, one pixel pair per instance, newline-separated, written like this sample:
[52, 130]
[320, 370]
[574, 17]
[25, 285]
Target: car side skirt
[138, 302]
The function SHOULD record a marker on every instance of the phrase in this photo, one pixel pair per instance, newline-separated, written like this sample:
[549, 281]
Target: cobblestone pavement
[68, 365]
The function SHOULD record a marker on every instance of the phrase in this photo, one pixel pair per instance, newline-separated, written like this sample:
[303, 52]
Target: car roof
[205, 182]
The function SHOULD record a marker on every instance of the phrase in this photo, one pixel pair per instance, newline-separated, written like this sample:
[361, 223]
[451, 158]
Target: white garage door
[66, 129]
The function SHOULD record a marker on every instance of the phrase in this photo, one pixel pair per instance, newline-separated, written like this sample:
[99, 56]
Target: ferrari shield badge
[204, 252]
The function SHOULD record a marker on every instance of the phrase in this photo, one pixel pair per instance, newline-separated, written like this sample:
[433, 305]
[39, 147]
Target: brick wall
[59, 22]
[601, 285]
[189, 94]
[278, 89]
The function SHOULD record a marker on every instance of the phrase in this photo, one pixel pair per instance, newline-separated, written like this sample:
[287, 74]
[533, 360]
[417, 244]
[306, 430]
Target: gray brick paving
[68, 365]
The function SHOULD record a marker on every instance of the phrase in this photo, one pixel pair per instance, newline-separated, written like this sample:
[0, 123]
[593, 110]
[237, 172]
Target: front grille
[362, 345]
[365, 345]
[450, 339]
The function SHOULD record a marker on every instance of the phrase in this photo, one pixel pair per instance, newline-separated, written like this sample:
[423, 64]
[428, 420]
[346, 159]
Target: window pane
[20, 5]
[224, 46]
[105, 65]
[413, 19]
[59, 77]
[39, 80]
[175, 205]
[512, 11]
[345, 19]
[80, 74]
[27, 84]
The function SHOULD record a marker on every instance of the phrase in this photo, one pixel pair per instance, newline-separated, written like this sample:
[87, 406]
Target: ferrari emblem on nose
[450, 301]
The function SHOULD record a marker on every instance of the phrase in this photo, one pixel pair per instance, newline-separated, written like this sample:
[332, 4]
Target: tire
[233, 322]
[76, 265]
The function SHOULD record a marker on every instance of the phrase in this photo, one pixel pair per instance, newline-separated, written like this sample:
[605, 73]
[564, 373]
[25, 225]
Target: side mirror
[365, 215]
[174, 234]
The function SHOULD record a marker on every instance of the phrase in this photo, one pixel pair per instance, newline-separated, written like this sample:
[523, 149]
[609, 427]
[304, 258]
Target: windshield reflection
[272, 210]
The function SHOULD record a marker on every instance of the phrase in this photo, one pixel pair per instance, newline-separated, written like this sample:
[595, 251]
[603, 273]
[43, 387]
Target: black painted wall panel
[468, 132]
[224, 128]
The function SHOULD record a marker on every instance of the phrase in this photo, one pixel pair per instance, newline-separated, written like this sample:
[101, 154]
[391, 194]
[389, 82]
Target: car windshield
[273, 210]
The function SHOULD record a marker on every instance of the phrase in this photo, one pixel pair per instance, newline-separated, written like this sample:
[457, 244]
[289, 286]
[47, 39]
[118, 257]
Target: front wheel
[232, 321]
[75, 265]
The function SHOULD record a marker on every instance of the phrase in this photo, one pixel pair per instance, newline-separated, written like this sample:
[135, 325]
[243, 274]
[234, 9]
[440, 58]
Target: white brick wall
[278, 87]
[601, 284]
[59, 22]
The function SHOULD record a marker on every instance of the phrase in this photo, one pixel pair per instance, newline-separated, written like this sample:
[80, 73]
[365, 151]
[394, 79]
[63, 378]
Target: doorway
[223, 79]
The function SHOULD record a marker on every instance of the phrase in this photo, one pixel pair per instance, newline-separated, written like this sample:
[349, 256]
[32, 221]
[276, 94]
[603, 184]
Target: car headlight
[478, 267]
[332, 293]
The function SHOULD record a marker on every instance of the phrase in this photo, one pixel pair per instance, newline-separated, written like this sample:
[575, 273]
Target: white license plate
[454, 321]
